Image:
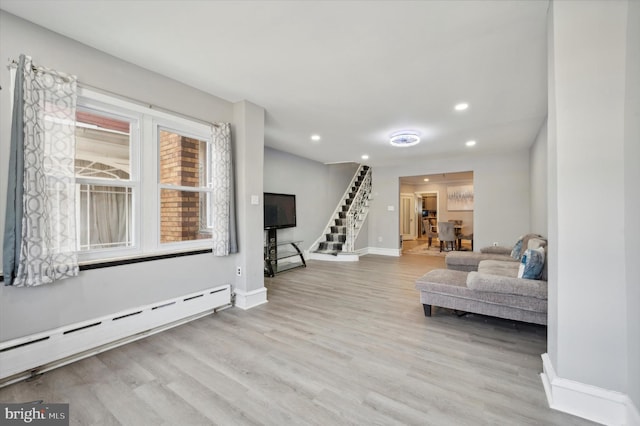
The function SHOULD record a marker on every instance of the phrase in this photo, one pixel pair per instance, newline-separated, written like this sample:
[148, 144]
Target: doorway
[428, 214]
[407, 217]
[434, 200]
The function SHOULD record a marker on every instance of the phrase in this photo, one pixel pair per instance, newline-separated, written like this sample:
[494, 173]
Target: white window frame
[194, 131]
[102, 105]
[131, 225]
[144, 173]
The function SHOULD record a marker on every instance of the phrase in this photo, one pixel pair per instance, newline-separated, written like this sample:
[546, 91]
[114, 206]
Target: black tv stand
[275, 250]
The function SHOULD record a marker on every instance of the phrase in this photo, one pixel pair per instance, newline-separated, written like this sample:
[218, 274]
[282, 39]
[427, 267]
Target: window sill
[97, 264]
[119, 261]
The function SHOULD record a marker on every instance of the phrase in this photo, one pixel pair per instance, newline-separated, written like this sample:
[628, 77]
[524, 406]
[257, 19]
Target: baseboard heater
[27, 356]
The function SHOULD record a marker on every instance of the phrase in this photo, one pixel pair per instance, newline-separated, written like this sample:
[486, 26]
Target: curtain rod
[14, 64]
[35, 68]
[146, 104]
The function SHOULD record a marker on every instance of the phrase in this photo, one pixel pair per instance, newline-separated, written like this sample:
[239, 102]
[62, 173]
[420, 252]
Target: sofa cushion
[504, 284]
[468, 261]
[499, 267]
[445, 283]
[532, 264]
[496, 250]
[535, 243]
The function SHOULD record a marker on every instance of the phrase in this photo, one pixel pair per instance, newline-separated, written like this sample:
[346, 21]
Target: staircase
[344, 226]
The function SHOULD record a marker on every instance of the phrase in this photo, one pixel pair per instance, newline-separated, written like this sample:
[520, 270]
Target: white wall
[340, 176]
[501, 191]
[99, 292]
[538, 154]
[318, 188]
[363, 238]
[589, 330]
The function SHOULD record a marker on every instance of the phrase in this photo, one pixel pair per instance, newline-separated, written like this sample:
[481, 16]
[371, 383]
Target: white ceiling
[353, 72]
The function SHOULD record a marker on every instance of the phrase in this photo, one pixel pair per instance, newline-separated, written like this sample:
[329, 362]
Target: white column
[248, 137]
[587, 365]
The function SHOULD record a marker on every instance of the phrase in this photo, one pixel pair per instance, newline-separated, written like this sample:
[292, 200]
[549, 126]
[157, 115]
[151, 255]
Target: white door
[407, 217]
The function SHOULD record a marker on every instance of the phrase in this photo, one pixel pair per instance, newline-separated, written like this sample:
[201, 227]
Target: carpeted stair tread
[335, 240]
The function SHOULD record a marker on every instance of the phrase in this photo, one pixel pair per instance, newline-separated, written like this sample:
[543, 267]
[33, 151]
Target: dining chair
[457, 229]
[446, 234]
[427, 228]
[463, 236]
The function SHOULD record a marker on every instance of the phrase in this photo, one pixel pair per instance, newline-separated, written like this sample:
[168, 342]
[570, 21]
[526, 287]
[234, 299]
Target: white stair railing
[357, 213]
[355, 228]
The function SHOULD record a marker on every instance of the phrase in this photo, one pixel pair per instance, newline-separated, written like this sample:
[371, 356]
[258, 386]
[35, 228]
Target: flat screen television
[279, 210]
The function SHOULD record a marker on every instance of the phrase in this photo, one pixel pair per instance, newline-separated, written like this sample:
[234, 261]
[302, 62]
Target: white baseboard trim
[342, 257]
[362, 251]
[43, 351]
[352, 257]
[586, 401]
[250, 299]
[384, 251]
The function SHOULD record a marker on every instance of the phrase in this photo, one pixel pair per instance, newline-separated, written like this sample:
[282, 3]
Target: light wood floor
[337, 344]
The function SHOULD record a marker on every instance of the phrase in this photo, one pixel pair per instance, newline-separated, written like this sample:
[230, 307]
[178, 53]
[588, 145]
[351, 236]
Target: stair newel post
[350, 224]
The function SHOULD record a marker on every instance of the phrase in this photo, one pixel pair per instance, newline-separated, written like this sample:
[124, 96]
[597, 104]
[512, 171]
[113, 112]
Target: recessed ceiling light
[315, 137]
[461, 106]
[426, 179]
[405, 138]
[470, 143]
[365, 157]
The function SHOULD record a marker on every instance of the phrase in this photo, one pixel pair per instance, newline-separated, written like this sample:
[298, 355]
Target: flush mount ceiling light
[315, 138]
[405, 138]
[470, 143]
[461, 106]
[365, 157]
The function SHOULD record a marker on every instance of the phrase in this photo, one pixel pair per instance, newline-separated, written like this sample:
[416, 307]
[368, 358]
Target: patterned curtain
[223, 199]
[40, 229]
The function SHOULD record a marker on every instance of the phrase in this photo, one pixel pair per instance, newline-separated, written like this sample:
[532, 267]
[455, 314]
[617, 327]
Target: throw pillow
[532, 264]
[517, 248]
[535, 243]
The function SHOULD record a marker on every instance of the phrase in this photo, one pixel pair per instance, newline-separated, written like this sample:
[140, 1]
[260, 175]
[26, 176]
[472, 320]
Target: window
[142, 178]
[104, 180]
[184, 186]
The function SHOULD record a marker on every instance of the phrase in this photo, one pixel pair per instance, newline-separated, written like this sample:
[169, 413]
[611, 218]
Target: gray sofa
[468, 261]
[488, 285]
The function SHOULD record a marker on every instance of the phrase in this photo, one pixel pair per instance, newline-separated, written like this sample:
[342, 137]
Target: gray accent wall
[632, 197]
[94, 293]
[318, 188]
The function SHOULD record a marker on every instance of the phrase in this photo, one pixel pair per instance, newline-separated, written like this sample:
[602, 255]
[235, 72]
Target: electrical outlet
[239, 271]
[379, 239]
